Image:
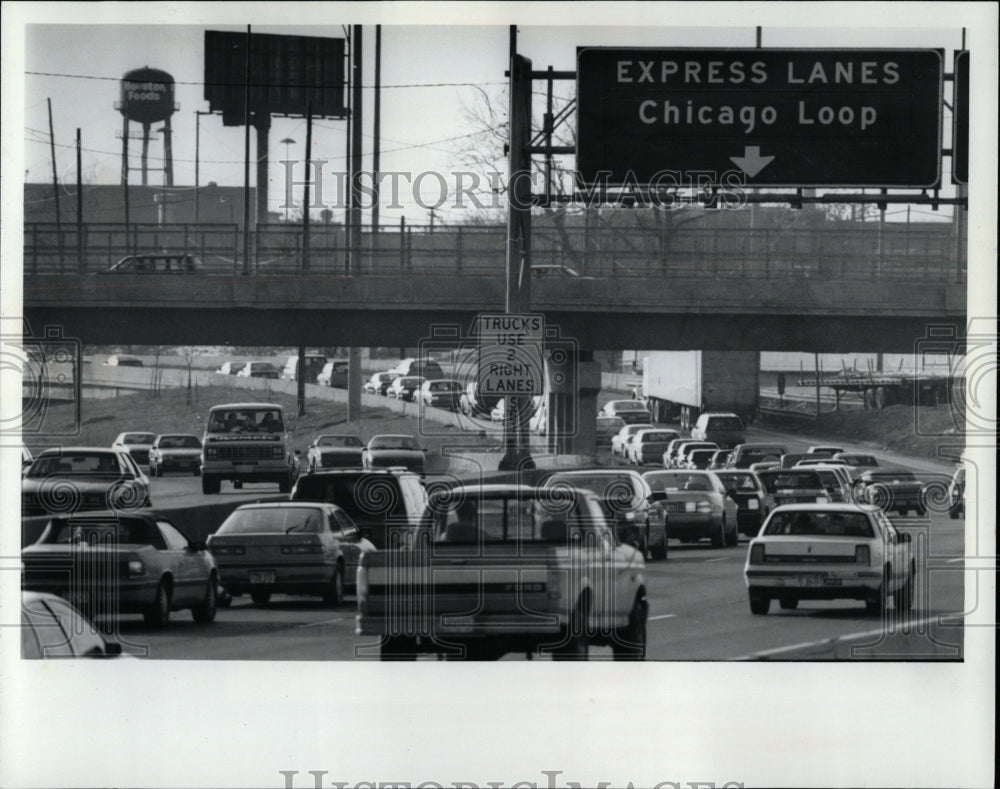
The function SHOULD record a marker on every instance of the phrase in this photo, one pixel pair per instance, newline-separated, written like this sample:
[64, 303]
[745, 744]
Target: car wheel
[210, 484]
[788, 603]
[902, 598]
[158, 612]
[398, 648]
[204, 612]
[719, 536]
[630, 641]
[576, 646]
[260, 596]
[334, 594]
[760, 603]
[733, 537]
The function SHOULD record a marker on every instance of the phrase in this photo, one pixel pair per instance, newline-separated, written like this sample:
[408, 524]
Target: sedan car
[752, 501]
[697, 506]
[308, 548]
[52, 628]
[828, 552]
[68, 479]
[405, 387]
[890, 490]
[334, 451]
[648, 445]
[394, 450]
[699, 458]
[135, 563]
[719, 459]
[607, 428]
[801, 485]
[379, 383]
[684, 450]
[176, 451]
[858, 461]
[440, 393]
[639, 514]
[745, 455]
[136, 444]
[260, 370]
[620, 440]
[632, 411]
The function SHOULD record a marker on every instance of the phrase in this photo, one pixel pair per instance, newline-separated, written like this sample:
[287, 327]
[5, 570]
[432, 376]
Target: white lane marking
[661, 616]
[719, 559]
[326, 621]
[831, 641]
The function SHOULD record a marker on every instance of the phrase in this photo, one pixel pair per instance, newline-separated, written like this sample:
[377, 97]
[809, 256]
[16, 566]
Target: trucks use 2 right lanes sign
[768, 117]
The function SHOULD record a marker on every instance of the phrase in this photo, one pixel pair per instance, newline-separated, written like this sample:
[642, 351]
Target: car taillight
[753, 504]
[757, 553]
[704, 506]
[226, 550]
[135, 567]
[211, 452]
[277, 452]
[690, 506]
[862, 554]
[308, 548]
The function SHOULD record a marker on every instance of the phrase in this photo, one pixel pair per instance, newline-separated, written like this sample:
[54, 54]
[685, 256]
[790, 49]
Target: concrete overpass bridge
[823, 288]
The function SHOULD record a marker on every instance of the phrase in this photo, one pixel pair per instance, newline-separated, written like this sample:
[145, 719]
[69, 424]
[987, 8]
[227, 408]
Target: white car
[137, 445]
[648, 445]
[631, 411]
[829, 552]
[405, 388]
[619, 441]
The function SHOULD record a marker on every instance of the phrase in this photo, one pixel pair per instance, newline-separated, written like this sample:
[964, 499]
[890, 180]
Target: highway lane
[698, 611]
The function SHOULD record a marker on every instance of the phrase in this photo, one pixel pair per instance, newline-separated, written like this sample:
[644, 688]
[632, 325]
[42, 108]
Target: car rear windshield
[394, 442]
[106, 533]
[365, 497]
[670, 480]
[545, 520]
[661, 437]
[820, 524]
[77, 463]
[339, 441]
[754, 454]
[139, 438]
[789, 480]
[179, 442]
[739, 481]
[725, 423]
[273, 520]
[445, 386]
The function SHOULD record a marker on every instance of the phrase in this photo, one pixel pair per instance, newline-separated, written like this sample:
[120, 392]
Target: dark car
[745, 455]
[68, 479]
[259, 370]
[724, 429]
[384, 451]
[309, 548]
[440, 393]
[335, 451]
[795, 486]
[697, 506]
[890, 490]
[136, 563]
[175, 452]
[157, 264]
[752, 500]
[52, 628]
[381, 502]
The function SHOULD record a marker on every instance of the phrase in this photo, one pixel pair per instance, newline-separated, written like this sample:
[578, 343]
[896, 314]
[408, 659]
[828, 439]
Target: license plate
[262, 576]
[809, 580]
[832, 582]
[244, 468]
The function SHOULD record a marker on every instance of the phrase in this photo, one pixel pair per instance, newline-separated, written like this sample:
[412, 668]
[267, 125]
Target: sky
[433, 77]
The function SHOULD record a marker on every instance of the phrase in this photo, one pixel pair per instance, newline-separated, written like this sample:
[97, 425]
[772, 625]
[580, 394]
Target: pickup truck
[499, 568]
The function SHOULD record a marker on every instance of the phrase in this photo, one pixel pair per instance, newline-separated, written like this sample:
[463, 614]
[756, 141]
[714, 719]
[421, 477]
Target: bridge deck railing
[825, 253]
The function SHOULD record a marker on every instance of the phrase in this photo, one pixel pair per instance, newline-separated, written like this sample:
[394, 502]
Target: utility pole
[518, 273]
[81, 262]
[246, 159]
[376, 134]
[353, 357]
[55, 185]
[305, 186]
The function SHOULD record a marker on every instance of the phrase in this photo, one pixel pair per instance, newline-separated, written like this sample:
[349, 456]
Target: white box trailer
[679, 385]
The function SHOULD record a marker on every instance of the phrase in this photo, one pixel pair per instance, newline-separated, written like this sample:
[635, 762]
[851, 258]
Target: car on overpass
[630, 503]
[314, 364]
[698, 506]
[334, 374]
[230, 368]
[123, 563]
[52, 628]
[123, 360]
[830, 552]
[259, 369]
[300, 547]
[334, 451]
[72, 479]
[175, 452]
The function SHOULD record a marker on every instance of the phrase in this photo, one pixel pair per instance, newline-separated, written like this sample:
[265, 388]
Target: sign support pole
[518, 297]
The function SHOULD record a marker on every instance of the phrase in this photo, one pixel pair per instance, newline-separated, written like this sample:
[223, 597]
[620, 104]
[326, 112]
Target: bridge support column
[573, 380]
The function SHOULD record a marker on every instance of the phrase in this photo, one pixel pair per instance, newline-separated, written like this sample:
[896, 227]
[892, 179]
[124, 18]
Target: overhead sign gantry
[771, 117]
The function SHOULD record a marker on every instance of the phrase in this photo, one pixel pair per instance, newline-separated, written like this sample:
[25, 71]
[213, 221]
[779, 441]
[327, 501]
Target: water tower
[147, 97]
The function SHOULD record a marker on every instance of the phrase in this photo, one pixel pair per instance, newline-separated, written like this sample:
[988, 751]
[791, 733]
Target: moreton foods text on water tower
[147, 97]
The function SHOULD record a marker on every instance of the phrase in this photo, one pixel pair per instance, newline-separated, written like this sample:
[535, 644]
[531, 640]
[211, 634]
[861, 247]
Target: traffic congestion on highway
[711, 542]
